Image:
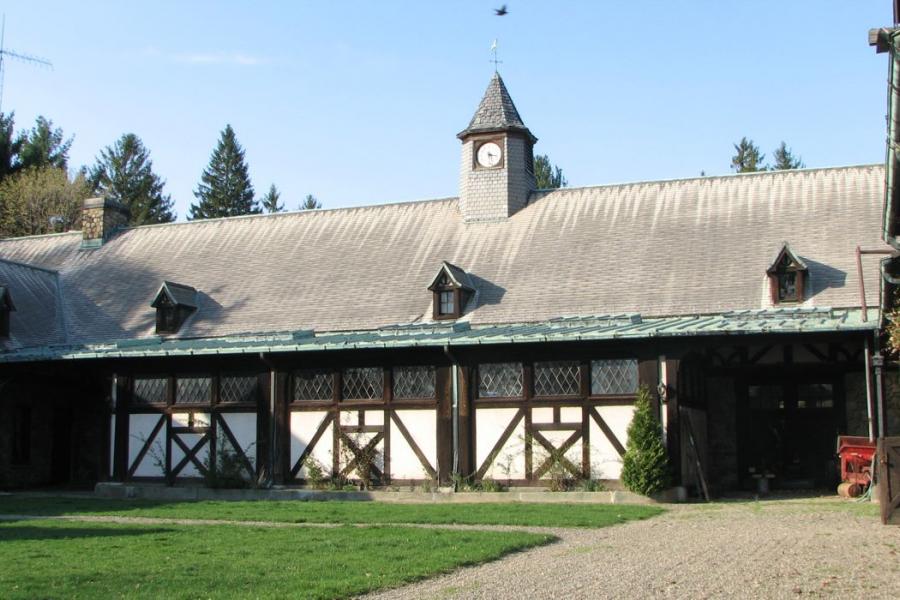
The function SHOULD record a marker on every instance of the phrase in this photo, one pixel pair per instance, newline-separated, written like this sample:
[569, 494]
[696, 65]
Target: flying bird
[500, 11]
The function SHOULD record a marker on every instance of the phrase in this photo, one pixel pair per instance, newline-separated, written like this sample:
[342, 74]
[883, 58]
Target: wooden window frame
[457, 304]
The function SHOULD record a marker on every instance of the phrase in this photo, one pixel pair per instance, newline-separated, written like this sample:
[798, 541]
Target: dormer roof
[177, 294]
[786, 259]
[496, 112]
[456, 276]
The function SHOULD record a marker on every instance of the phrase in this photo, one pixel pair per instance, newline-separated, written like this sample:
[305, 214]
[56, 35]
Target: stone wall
[855, 404]
[892, 403]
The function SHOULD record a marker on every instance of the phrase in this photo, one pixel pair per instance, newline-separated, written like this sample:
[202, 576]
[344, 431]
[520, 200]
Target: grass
[98, 560]
[519, 514]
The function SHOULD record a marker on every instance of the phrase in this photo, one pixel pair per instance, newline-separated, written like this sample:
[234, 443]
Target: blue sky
[359, 102]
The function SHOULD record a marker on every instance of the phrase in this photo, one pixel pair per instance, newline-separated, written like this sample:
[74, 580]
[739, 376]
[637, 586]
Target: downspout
[270, 472]
[893, 135]
[870, 409]
[454, 403]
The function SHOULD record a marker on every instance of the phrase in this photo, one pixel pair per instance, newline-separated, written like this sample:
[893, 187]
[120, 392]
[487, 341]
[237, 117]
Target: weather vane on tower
[495, 60]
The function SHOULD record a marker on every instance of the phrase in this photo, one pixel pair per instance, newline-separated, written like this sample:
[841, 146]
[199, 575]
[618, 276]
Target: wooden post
[673, 422]
[585, 392]
[466, 429]
[122, 401]
[528, 392]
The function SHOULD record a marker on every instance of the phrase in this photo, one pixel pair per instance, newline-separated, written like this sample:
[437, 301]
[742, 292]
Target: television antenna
[8, 54]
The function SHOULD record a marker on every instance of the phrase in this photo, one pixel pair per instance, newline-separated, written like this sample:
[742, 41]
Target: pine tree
[645, 467]
[310, 203]
[747, 158]
[9, 145]
[547, 176]
[124, 172]
[785, 159]
[225, 189]
[270, 203]
[43, 146]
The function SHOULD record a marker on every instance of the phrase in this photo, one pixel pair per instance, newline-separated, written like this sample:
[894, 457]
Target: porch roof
[565, 329]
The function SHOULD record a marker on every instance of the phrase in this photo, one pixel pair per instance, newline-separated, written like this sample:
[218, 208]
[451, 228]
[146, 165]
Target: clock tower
[497, 170]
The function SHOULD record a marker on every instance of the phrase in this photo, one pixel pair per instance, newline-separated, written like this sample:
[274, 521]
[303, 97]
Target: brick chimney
[100, 219]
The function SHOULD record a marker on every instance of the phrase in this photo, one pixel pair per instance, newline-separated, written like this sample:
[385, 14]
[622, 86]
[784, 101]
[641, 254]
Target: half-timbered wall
[566, 418]
[386, 417]
[174, 425]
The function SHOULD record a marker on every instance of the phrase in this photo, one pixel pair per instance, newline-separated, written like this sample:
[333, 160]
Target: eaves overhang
[565, 329]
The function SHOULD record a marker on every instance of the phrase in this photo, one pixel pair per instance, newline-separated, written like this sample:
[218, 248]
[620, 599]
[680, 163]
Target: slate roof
[38, 318]
[662, 249]
[496, 112]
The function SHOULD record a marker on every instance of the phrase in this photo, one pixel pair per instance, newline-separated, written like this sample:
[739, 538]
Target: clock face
[489, 154]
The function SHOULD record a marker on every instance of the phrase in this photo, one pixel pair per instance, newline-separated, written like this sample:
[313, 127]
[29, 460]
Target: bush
[645, 466]
[228, 470]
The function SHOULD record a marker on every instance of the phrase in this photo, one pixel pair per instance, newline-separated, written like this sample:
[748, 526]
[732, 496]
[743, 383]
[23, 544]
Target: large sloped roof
[664, 248]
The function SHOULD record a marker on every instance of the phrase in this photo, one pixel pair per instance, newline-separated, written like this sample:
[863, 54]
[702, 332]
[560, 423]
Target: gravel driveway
[771, 549]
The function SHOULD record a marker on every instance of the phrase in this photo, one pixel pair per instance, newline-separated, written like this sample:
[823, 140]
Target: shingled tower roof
[496, 112]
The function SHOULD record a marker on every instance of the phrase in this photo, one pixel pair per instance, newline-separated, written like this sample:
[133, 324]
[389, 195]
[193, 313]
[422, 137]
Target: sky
[360, 102]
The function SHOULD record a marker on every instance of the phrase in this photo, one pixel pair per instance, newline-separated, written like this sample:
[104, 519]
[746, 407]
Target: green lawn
[54, 559]
[545, 515]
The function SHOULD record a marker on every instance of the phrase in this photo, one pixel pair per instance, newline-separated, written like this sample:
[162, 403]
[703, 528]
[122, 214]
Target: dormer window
[174, 303]
[451, 289]
[787, 277]
[6, 306]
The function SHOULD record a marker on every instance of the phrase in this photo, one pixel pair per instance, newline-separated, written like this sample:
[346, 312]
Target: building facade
[502, 335]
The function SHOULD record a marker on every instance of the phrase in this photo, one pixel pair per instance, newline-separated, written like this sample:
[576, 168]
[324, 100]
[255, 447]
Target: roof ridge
[545, 191]
[28, 266]
[292, 213]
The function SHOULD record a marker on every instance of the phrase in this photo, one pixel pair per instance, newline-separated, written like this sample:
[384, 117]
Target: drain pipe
[454, 398]
[870, 409]
[270, 472]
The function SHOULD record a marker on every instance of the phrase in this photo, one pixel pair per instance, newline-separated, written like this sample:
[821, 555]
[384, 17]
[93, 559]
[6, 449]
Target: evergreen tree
[310, 203]
[41, 200]
[747, 158]
[9, 145]
[43, 146]
[225, 189]
[124, 172]
[785, 159]
[270, 203]
[547, 176]
[645, 467]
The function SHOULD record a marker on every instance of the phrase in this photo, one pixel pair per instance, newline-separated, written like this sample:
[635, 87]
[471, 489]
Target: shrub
[228, 470]
[645, 466]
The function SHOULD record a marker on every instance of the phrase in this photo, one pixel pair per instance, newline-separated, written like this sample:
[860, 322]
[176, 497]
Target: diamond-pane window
[363, 384]
[312, 385]
[619, 376]
[556, 378]
[193, 390]
[150, 390]
[238, 388]
[414, 382]
[500, 380]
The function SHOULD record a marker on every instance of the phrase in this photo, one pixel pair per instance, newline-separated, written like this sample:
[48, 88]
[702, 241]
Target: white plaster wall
[422, 427]
[139, 429]
[303, 428]
[243, 427]
[605, 461]
[490, 424]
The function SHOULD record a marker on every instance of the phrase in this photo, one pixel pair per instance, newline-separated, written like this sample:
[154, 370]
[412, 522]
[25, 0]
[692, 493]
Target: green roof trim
[568, 329]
